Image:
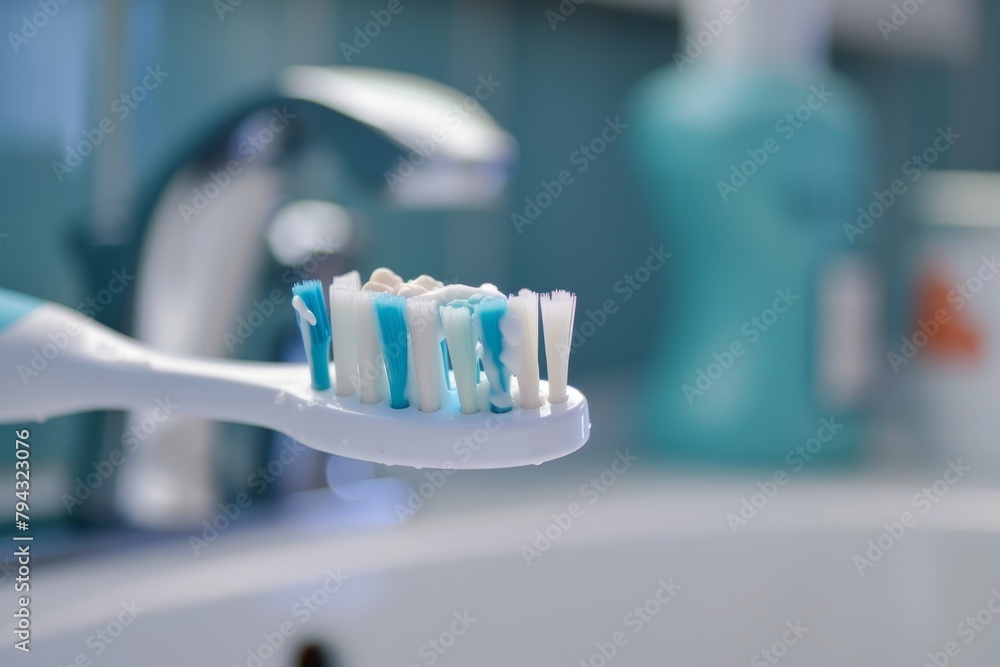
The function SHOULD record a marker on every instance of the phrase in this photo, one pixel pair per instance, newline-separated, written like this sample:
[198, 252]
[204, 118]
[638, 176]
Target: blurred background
[779, 219]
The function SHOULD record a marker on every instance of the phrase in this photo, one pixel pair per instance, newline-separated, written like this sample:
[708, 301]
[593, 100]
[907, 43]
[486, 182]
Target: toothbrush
[56, 361]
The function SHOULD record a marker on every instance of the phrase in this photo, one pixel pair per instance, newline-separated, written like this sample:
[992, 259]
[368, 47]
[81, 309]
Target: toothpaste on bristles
[424, 344]
[490, 311]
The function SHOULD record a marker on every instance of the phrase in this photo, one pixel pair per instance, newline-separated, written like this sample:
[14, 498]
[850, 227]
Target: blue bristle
[490, 310]
[311, 293]
[390, 311]
[447, 365]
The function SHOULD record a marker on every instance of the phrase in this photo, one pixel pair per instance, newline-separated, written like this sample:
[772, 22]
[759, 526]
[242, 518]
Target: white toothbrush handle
[56, 361]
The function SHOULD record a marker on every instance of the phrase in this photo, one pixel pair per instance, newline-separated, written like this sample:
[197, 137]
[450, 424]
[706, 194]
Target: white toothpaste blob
[303, 310]
[410, 290]
[427, 282]
[377, 287]
[427, 288]
[448, 293]
[388, 277]
[386, 280]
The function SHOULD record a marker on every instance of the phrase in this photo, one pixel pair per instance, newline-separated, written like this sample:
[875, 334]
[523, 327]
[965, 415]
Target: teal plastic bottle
[753, 156]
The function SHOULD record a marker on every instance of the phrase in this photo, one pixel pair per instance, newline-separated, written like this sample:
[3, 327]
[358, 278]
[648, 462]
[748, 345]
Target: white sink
[734, 595]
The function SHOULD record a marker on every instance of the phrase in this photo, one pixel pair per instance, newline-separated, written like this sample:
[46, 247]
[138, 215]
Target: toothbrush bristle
[352, 279]
[428, 367]
[558, 311]
[316, 334]
[446, 358]
[424, 343]
[311, 292]
[524, 309]
[390, 316]
[344, 327]
[489, 312]
[457, 323]
[371, 370]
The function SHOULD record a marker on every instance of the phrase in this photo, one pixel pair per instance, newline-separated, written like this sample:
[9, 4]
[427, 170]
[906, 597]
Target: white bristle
[369, 353]
[524, 309]
[458, 332]
[352, 279]
[344, 328]
[423, 323]
[558, 310]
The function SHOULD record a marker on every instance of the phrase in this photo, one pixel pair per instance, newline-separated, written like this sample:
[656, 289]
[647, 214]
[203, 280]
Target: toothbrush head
[440, 377]
[445, 439]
